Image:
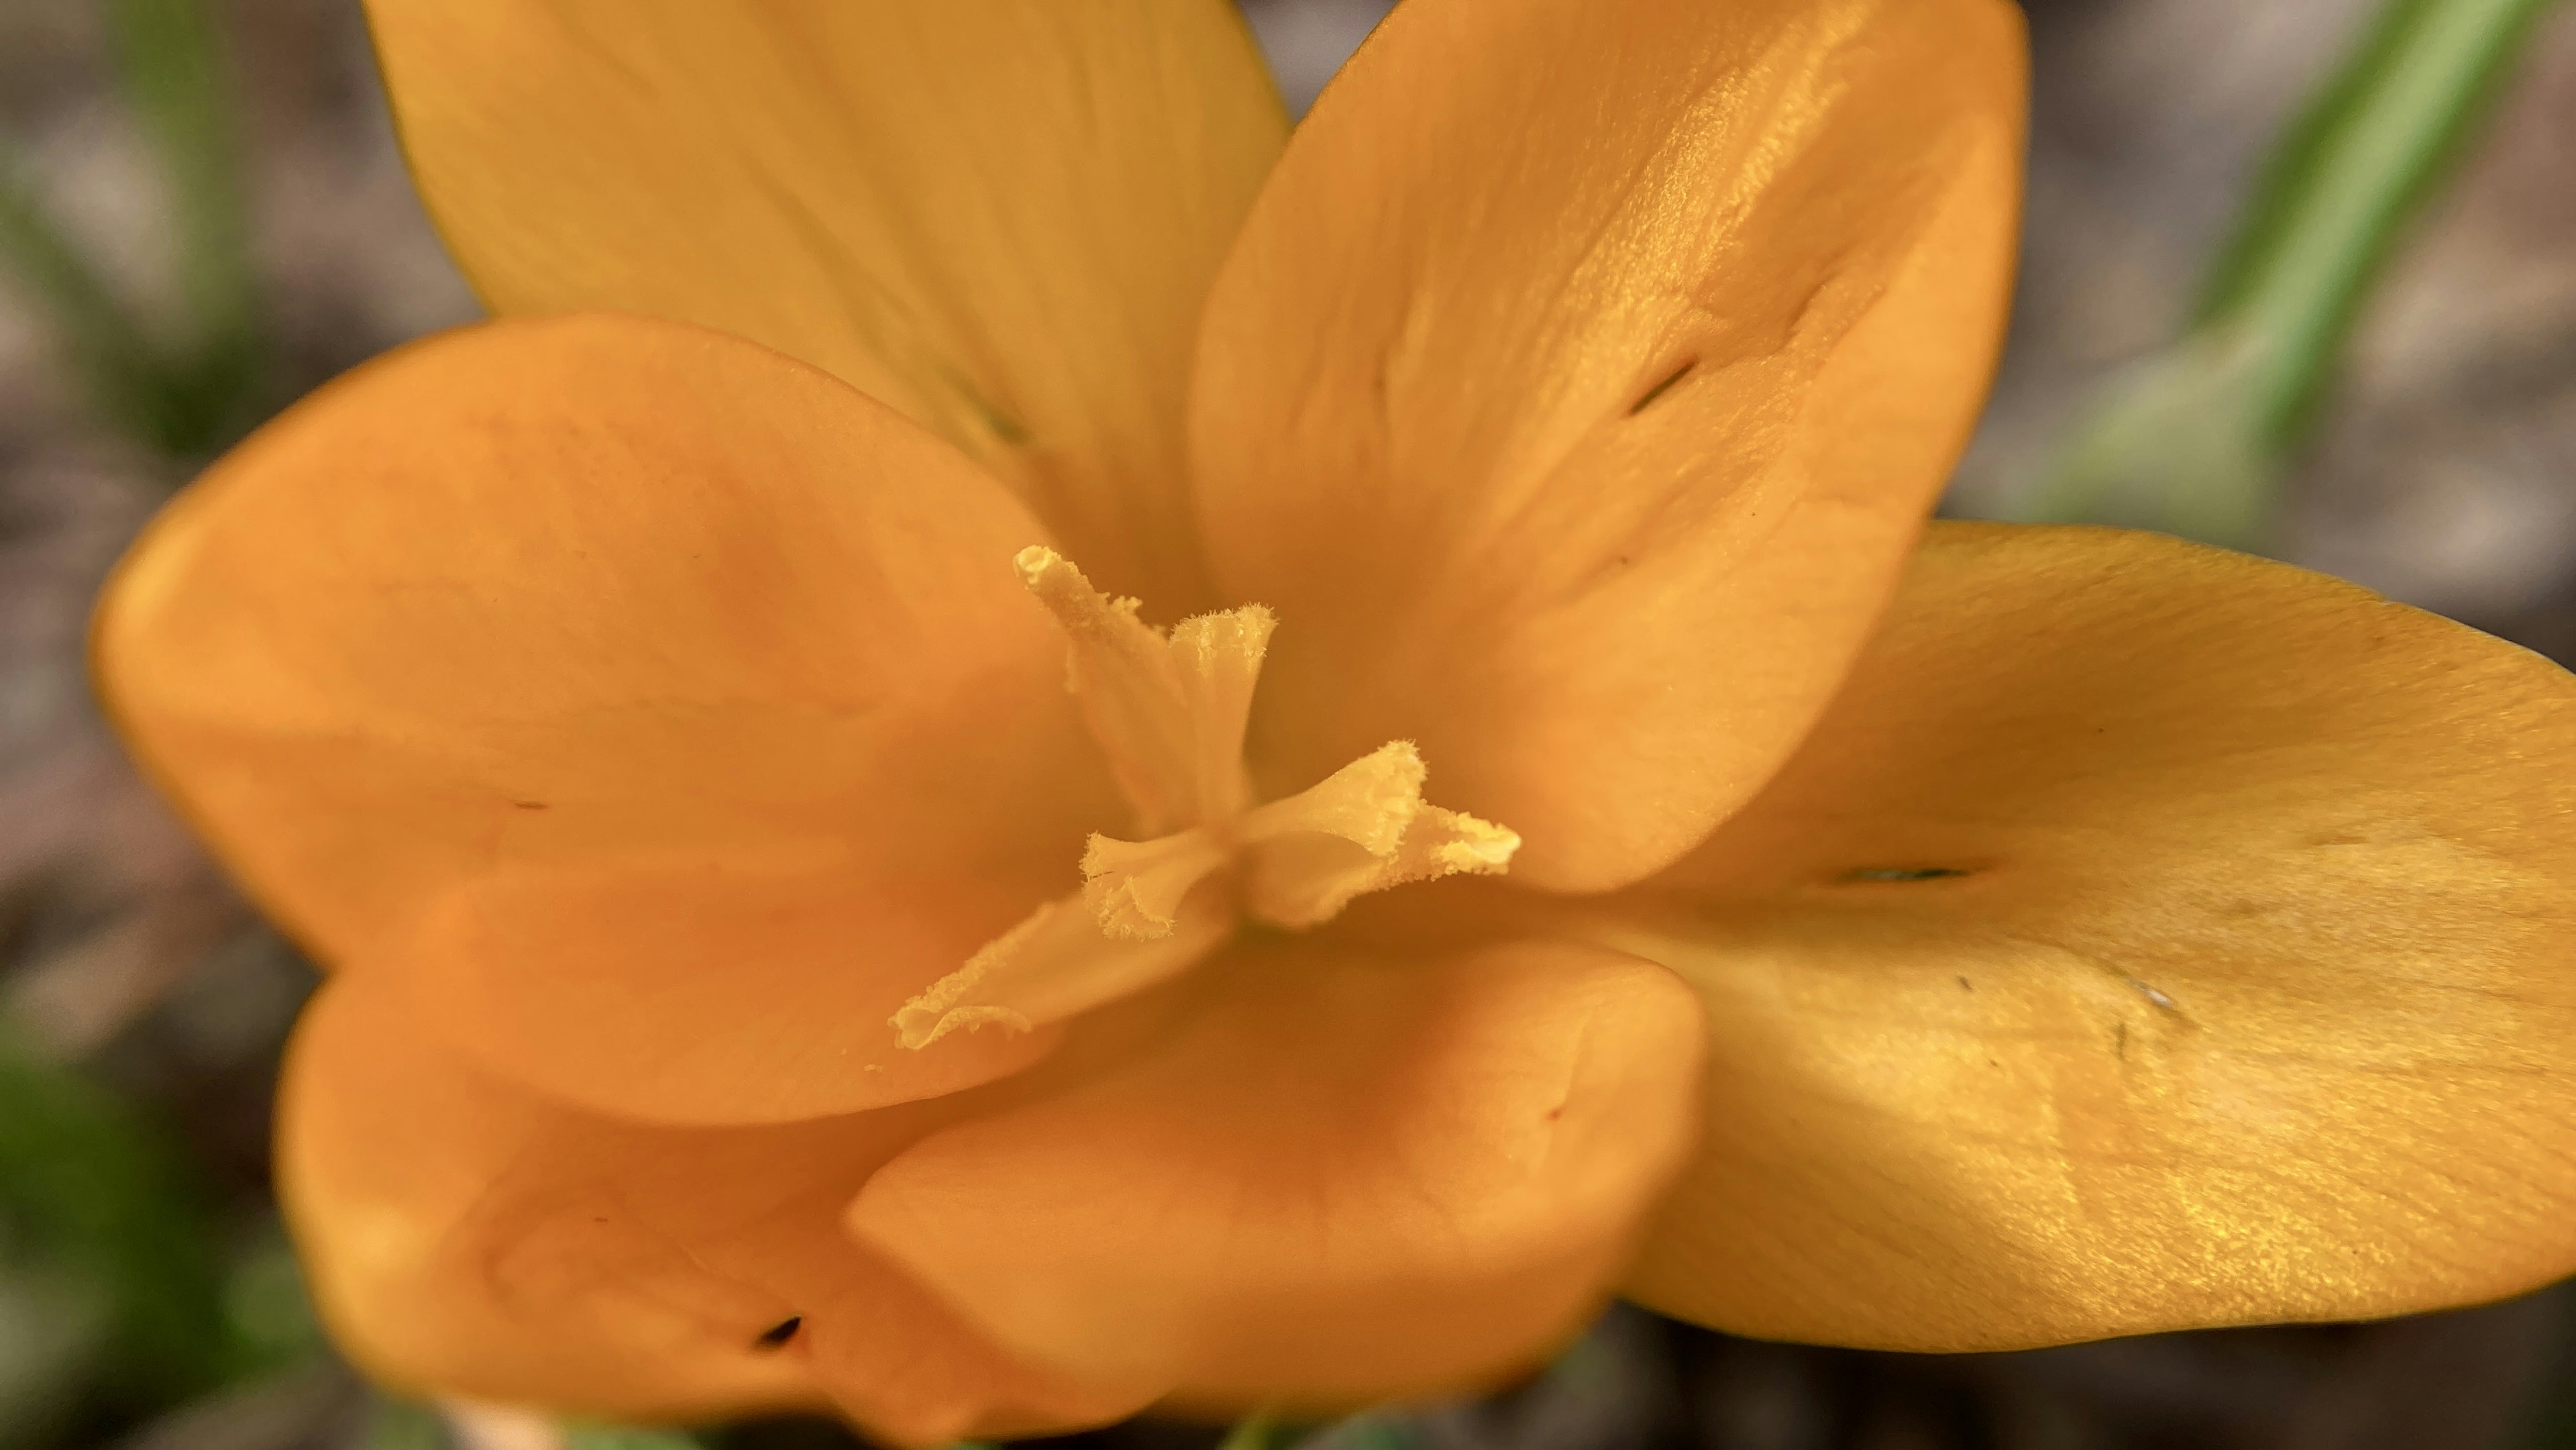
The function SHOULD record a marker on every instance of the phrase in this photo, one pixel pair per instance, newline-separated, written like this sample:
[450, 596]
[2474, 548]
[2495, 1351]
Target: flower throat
[1169, 710]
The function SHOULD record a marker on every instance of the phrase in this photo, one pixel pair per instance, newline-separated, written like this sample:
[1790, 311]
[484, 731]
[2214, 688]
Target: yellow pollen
[1169, 711]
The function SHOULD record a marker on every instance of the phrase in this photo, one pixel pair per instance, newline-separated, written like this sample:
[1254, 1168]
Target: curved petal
[465, 1238]
[2252, 999]
[998, 216]
[610, 604]
[706, 989]
[1326, 1181]
[1581, 379]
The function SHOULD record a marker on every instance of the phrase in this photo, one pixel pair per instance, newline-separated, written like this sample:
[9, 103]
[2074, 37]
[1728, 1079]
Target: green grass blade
[117, 362]
[171, 63]
[613, 1437]
[93, 1192]
[2193, 441]
[2344, 180]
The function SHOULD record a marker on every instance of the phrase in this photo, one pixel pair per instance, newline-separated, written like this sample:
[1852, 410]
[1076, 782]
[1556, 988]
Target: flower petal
[579, 610]
[465, 1238]
[2250, 999]
[707, 989]
[1581, 379]
[998, 216]
[1325, 1181]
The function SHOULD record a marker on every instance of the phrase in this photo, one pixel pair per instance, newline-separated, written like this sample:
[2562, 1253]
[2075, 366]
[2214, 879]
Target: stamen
[1219, 661]
[1368, 802]
[1168, 712]
[1135, 888]
[1054, 964]
[1364, 828]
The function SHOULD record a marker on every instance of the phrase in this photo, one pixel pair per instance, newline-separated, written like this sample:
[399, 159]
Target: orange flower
[760, 980]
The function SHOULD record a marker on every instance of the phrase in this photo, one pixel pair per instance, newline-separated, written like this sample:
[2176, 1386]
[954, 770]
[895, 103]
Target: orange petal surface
[2251, 998]
[998, 216]
[464, 1237]
[1582, 378]
[1324, 1182]
[527, 625]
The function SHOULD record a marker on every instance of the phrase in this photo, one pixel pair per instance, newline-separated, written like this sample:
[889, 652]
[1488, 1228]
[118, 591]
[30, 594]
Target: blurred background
[2300, 276]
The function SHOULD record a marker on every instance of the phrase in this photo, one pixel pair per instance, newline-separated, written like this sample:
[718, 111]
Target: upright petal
[536, 633]
[1581, 379]
[2149, 937]
[998, 216]
[466, 1238]
[1327, 1181]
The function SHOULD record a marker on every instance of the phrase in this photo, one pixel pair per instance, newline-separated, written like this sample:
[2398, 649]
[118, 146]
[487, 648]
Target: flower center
[1169, 710]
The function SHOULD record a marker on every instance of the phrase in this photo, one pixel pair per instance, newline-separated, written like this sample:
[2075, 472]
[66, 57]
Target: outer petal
[999, 216]
[1328, 1181]
[546, 625]
[2256, 999]
[466, 1238]
[1581, 380]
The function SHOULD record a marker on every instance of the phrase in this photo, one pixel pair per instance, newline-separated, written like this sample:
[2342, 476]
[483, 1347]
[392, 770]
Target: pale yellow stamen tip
[1054, 964]
[944, 1008]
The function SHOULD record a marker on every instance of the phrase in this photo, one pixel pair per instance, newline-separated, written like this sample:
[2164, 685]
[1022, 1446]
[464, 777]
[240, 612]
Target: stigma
[1169, 711]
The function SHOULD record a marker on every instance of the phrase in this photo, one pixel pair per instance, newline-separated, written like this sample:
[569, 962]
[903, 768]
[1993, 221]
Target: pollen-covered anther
[1169, 712]
[1363, 828]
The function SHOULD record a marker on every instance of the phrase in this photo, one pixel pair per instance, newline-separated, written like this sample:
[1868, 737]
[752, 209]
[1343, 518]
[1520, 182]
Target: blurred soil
[2445, 475]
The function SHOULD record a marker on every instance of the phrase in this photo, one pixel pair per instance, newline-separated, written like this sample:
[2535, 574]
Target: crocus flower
[1556, 824]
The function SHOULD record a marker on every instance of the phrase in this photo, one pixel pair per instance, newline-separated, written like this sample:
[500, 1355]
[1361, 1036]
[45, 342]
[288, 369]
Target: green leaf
[53, 1326]
[170, 64]
[395, 1425]
[184, 386]
[2194, 441]
[612, 1437]
[88, 1189]
[2173, 444]
[1256, 1431]
[2343, 181]
[170, 61]
[117, 363]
